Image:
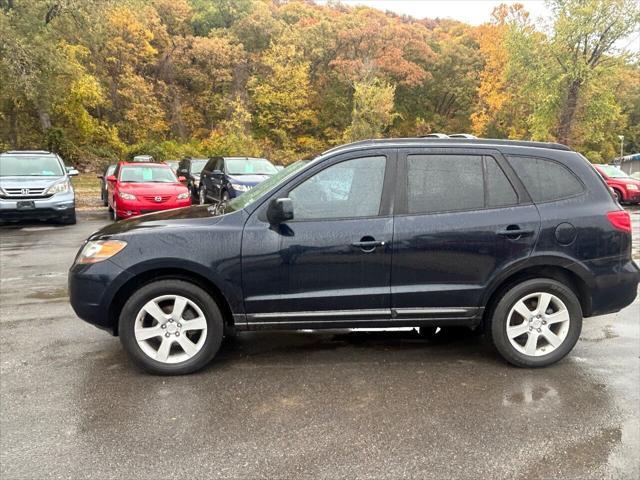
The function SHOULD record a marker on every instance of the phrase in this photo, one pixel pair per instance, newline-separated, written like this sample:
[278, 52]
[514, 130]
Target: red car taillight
[620, 219]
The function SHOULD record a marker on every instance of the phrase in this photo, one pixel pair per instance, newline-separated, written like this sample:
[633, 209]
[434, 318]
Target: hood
[30, 182]
[250, 180]
[194, 216]
[153, 188]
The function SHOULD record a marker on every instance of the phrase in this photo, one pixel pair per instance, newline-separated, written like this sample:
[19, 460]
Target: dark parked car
[108, 171]
[174, 164]
[520, 239]
[224, 178]
[190, 169]
[36, 185]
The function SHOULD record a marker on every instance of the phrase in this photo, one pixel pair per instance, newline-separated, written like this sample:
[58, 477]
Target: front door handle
[368, 244]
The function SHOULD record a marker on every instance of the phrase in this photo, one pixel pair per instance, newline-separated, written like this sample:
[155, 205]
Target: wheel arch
[152, 275]
[556, 271]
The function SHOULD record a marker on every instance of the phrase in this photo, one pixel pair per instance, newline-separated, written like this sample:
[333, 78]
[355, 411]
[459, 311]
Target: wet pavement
[299, 405]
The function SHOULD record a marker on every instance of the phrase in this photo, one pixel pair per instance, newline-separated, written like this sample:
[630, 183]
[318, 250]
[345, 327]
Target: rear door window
[500, 192]
[546, 180]
[441, 183]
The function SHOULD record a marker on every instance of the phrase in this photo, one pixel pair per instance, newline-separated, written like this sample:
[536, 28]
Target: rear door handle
[515, 231]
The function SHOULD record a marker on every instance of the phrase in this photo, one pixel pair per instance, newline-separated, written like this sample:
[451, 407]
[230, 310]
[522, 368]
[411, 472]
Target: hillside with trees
[100, 80]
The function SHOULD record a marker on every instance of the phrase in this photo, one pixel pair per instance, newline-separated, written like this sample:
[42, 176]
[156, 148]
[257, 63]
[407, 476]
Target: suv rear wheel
[171, 327]
[536, 323]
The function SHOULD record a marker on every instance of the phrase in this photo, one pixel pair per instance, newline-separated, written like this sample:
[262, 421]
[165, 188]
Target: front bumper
[92, 289]
[56, 206]
[633, 196]
[132, 208]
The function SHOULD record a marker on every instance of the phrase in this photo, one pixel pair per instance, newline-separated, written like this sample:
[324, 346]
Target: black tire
[194, 293]
[69, 218]
[427, 332]
[618, 195]
[497, 329]
[114, 213]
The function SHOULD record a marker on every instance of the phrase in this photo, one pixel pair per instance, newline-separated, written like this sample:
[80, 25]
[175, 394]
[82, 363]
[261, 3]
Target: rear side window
[545, 180]
[440, 183]
[211, 165]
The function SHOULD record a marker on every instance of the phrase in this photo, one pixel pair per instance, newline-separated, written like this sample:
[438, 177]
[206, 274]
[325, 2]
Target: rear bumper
[615, 288]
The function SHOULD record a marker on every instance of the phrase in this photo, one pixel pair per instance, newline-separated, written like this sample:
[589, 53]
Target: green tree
[372, 113]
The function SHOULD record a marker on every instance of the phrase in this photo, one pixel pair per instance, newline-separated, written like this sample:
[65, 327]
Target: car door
[206, 178]
[462, 217]
[331, 264]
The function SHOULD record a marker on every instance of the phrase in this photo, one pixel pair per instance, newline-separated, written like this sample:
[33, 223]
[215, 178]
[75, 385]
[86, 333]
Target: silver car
[36, 185]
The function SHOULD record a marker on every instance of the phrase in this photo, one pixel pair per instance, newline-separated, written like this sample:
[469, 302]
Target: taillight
[621, 220]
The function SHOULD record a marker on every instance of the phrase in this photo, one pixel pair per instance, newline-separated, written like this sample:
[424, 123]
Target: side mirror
[280, 210]
[182, 179]
[72, 171]
[111, 178]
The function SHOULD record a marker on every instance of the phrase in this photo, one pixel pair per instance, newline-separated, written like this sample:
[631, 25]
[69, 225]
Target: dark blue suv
[224, 178]
[520, 240]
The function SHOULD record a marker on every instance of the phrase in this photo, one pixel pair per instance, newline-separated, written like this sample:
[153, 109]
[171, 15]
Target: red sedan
[626, 189]
[139, 188]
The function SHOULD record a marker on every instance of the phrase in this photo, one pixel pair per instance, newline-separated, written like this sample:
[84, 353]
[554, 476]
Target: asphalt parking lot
[299, 405]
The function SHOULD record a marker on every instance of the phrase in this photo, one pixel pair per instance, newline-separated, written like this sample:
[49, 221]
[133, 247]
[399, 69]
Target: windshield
[259, 190]
[30, 166]
[249, 166]
[613, 172]
[156, 174]
[197, 166]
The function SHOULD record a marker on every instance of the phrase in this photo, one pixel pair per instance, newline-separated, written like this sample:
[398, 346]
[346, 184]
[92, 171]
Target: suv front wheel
[536, 323]
[171, 327]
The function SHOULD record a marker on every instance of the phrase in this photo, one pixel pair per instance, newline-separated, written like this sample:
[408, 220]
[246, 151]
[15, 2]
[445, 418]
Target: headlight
[99, 250]
[631, 186]
[126, 196]
[60, 187]
[240, 188]
[184, 195]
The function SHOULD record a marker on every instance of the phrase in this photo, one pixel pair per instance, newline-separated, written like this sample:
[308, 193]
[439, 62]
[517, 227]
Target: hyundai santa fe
[519, 239]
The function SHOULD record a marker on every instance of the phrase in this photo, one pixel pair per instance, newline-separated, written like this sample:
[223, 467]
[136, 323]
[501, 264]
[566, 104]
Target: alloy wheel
[170, 329]
[538, 324]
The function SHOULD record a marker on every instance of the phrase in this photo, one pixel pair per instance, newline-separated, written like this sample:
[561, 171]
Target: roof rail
[435, 135]
[462, 135]
[14, 152]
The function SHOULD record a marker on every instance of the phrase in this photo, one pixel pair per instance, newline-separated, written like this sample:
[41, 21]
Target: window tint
[210, 166]
[545, 180]
[440, 183]
[345, 190]
[500, 193]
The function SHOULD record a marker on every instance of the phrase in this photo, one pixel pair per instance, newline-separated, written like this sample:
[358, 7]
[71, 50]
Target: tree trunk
[45, 120]
[13, 125]
[568, 113]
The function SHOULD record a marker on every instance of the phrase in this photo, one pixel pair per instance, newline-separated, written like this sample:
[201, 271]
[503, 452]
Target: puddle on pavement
[50, 294]
[608, 335]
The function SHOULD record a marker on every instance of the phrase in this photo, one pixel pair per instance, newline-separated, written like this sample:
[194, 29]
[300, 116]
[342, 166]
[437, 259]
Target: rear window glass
[440, 183]
[30, 166]
[545, 180]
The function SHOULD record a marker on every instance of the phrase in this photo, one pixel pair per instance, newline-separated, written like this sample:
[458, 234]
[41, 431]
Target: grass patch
[87, 187]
